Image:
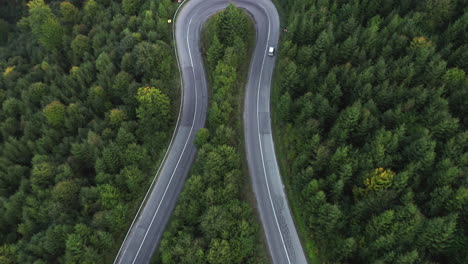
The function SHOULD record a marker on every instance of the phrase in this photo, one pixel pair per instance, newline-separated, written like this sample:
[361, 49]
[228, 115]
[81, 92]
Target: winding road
[149, 223]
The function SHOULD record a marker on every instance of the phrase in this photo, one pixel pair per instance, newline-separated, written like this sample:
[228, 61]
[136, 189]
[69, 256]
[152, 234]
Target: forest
[214, 221]
[89, 92]
[370, 120]
[370, 117]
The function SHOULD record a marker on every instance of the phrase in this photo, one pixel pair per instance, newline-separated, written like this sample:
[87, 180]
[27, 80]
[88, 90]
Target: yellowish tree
[380, 179]
[377, 180]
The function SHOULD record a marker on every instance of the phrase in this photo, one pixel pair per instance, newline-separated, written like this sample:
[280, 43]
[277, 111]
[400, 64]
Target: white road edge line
[168, 146]
[191, 130]
[260, 140]
[183, 150]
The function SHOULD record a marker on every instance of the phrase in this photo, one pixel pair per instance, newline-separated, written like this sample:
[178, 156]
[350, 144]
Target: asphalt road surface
[147, 229]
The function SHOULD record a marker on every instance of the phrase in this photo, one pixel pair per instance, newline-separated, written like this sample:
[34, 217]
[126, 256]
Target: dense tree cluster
[87, 95]
[371, 115]
[212, 222]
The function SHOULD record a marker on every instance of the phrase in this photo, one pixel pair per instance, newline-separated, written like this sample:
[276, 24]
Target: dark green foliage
[80, 45]
[74, 163]
[231, 24]
[370, 110]
[212, 222]
[130, 7]
[4, 28]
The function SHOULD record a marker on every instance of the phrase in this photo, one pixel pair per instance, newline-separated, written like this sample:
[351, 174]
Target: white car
[271, 51]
